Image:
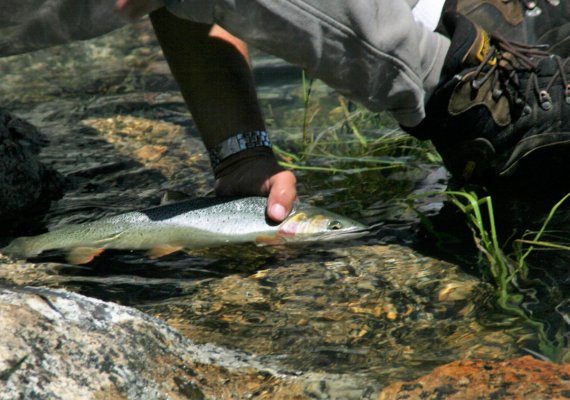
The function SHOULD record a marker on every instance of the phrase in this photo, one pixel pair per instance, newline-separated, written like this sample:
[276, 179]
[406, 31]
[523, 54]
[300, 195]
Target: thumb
[282, 195]
[122, 4]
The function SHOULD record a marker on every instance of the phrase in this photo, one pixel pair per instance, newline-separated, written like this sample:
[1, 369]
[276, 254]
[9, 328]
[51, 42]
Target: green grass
[536, 241]
[506, 271]
[343, 145]
[358, 142]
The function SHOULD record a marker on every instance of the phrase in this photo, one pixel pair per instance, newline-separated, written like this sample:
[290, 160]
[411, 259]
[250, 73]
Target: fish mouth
[343, 234]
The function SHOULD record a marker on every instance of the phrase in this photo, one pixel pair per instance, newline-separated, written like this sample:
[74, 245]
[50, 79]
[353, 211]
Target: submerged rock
[384, 312]
[520, 378]
[26, 185]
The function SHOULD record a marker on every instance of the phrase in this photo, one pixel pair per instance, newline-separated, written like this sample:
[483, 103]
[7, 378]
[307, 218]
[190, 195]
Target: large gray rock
[26, 185]
[60, 345]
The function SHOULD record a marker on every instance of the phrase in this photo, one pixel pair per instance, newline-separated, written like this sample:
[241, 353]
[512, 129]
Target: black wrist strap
[235, 144]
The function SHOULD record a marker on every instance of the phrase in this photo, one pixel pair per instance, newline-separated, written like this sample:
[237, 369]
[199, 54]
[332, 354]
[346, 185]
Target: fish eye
[334, 225]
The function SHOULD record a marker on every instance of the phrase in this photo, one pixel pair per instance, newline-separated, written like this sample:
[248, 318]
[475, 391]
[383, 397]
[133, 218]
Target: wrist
[257, 158]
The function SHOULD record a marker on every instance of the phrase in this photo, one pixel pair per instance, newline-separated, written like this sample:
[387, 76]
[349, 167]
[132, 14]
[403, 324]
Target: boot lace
[532, 8]
[507, 60]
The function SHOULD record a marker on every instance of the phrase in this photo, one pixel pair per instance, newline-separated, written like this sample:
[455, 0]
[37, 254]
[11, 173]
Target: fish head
[316, 224]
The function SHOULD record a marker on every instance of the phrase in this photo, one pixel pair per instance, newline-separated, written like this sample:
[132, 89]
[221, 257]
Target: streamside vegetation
[366, 155]
[517, 289]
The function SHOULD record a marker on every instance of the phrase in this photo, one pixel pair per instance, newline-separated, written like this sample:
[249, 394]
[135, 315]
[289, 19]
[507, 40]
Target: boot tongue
[469, 44]
[480, 48]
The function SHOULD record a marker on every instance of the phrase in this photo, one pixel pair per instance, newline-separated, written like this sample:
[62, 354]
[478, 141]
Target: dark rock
[26, 185]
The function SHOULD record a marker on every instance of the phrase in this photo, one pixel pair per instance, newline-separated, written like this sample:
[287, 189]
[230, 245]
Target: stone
[56, 344]
[519, 378]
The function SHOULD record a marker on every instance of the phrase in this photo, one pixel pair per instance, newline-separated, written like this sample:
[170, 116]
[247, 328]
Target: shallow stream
[374, 310]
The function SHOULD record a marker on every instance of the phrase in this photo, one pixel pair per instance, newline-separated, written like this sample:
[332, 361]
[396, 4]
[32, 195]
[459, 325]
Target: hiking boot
[525, 21]
[498, 105]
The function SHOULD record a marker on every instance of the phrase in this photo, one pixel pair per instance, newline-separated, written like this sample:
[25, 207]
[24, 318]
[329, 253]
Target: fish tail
[21, 248]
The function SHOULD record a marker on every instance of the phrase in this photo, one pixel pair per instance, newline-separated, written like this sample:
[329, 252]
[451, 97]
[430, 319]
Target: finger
[122, 4]
[282, 195]
[137, 8]
[127, 8]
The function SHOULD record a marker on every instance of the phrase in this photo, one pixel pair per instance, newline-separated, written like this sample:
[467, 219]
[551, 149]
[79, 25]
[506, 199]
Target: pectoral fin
[161, 251]
[83, 255]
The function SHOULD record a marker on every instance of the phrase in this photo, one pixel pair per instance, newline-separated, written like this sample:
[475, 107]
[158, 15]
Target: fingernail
[277, 212]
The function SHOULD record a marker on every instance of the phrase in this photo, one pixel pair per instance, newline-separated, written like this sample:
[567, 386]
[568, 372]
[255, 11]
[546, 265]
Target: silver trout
[196, 223]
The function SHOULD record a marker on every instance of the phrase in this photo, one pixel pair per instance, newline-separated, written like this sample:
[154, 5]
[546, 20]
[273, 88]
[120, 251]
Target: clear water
[373, 307]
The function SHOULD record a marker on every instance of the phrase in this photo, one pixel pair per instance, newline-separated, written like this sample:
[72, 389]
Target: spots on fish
[210, 205]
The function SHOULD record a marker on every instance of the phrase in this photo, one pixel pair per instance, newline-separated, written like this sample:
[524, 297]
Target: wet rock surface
[519, 378]
[56, 344]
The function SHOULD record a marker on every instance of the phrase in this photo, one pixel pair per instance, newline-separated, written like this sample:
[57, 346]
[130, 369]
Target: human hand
[255, 172]
[137, 8]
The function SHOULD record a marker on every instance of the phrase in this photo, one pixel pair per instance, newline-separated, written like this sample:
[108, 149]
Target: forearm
[372, 51]
[214, 76]
[213, 72]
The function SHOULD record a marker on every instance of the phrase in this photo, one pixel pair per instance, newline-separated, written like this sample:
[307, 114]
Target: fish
[197, 223]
